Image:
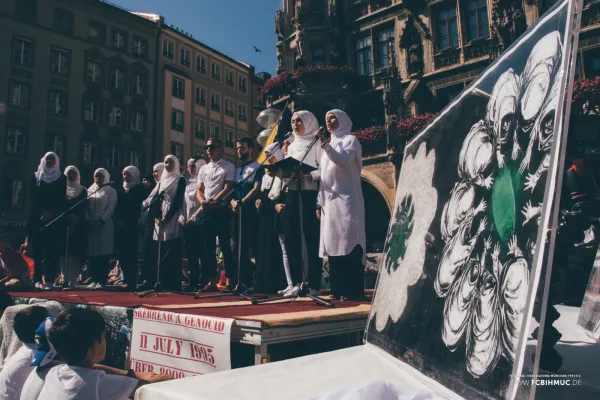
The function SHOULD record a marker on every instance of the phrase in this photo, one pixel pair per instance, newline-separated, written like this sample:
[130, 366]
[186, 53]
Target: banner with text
[179, 345]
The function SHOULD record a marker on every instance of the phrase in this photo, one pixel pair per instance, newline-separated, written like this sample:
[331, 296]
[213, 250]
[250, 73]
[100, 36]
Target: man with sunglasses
[215, 180]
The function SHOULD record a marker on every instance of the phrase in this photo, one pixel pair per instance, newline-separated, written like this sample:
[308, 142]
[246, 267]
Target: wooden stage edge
[261, 330]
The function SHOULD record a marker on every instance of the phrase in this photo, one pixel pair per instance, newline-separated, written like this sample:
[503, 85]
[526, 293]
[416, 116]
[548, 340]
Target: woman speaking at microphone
[343, 238]
[305, 241]
[102, 202]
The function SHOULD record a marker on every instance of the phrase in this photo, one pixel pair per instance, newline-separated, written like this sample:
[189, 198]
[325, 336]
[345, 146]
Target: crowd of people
[275, 228]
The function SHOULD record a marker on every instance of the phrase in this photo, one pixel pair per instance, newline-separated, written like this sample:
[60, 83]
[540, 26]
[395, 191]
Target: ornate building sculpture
[508, 23]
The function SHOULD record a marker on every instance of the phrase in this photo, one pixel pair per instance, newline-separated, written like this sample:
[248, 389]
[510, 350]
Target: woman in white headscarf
[48, 190]
[168, 230]
[187, 219]
[102, 202]
[271, 258]
[127, 215]
[342, 207]
[297, 242]
[147, 222]
[75, 219]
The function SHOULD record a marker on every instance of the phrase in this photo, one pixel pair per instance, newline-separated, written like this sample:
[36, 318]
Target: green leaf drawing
[399, 233]
[506, 199]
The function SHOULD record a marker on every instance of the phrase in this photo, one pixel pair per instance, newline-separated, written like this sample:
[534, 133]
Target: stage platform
[261, 325]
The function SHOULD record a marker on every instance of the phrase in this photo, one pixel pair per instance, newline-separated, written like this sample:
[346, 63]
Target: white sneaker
[99, 286]
[92, 285]
[48, 286]
[293, 291]
[287, 289]
[38, 285]
[314, 292]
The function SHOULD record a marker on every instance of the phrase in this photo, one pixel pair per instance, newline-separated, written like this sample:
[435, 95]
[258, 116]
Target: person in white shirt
[17, 368]
[215, 181]
[78, 336]
[343, 238]
[191, 231]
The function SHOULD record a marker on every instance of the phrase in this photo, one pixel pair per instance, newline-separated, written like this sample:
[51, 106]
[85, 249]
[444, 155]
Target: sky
[229, 26]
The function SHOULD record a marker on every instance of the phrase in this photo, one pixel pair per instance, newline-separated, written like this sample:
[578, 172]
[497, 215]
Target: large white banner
[179, 345]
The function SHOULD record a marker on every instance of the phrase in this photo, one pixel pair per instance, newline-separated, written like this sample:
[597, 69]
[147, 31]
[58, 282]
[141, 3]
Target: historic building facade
[77, 79]
[408, 58]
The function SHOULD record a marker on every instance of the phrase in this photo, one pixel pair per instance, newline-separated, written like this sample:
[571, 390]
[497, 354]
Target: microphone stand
[240, 290]
[304, 292]
[157, 286]
[62, 215]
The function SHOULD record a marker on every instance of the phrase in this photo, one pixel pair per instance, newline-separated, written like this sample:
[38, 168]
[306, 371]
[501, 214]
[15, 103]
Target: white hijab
[45, 174]
[298, 147]
[273, 183]
[160, 167]
[345, 123]
[135, 174]
[74, 189]
[194, 177]
[95, 187]
[168, 178]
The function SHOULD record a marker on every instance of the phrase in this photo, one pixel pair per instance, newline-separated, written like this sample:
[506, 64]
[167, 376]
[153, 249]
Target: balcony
[447, 58]
[477, 49]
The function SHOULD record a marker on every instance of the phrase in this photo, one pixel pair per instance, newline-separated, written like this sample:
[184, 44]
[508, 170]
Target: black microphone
[284, 138]
[324, 132]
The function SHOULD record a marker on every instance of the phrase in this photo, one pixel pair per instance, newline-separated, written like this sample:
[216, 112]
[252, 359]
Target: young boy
[17, 368]
[78, 337]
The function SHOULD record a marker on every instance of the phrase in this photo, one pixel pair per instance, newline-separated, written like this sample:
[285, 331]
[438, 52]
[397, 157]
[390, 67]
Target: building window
[215, 102]
[19, 95]
[15, 141]
[200, 131]
[185, 57]
[13, 195]
[26, 10]
[139, 47]
[94, 70]
[115, 115]
[478, 19]
[138, 84]
[200, 96]
[591, 62]
[113, 157]
[60, 61]
[57, 104]
[200, 64]
[229, 107]
[63, 21]
[229, 138]
[216, 72]
[215, 132]
[135, 158]
[137, 121]
[92, 111]
[178, 88]
[229, 78]
[118, 39]
[168, 49]
[363, 56]
[177, 150]
[447, 28]
[56, 143]
[90, 153]
[241, 112]
[198, 154]
[116, 77]
[97, 32]
[242, 84]
[384, 38]
[22, 52]
[318, 56]
[177, 120]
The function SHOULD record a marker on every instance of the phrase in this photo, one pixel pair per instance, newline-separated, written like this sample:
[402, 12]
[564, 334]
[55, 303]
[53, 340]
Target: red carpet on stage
[130, 300]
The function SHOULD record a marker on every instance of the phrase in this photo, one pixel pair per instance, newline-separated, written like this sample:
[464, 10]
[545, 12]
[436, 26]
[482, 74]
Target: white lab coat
[340, 197]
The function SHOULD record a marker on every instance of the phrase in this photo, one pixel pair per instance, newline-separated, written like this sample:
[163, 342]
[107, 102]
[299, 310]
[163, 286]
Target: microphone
[324, 132]
[284, 138]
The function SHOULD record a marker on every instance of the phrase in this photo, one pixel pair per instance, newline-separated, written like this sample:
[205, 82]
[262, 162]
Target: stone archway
[377, 216]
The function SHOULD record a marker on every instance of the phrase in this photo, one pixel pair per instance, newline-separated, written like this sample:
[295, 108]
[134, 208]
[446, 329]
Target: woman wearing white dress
[343, 238]
[102, 202]
[303, 244]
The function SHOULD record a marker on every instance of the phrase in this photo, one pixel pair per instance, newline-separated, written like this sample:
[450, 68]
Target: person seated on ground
[114, 276]
[13, 267]
[17, 368]
[78, 337]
